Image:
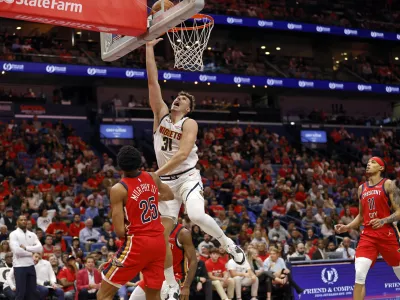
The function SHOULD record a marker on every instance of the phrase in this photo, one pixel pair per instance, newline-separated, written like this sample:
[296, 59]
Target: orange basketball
[157, 6]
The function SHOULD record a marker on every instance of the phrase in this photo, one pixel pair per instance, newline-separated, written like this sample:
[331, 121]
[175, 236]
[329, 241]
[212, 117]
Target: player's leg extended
[194, 201]
[390, 253]
[168, 269]
[106, 291]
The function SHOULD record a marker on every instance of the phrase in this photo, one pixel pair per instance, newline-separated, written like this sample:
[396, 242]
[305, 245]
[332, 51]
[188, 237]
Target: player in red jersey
[378, 197]
[137, 223]
[184, 263]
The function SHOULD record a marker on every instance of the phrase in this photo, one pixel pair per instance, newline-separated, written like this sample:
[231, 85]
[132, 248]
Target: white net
[189, 40]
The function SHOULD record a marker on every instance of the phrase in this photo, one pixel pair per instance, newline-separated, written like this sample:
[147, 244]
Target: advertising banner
[116, 131]
[336, 281]
[110, 72]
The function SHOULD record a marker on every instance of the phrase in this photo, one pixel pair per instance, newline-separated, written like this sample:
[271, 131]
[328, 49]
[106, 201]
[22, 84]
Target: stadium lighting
[19, 28]
[345, 58]
[209, 48]
[208, 83]
[195, 82]
[254, 86]
[345, 53]
[337, 61]
[79, 33]
[267, 53]
[165, 81]
[396, 58]
[278, 48]
[239, 85]
[265, 86]
[3, 72]
[179, 40]
[263, 47]
[292, 123]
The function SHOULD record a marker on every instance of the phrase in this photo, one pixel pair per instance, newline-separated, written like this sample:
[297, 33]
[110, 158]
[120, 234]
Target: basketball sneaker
[170, 292]
[235, 252]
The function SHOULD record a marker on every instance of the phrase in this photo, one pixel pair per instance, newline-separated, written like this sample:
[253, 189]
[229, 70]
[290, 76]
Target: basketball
[157, 6]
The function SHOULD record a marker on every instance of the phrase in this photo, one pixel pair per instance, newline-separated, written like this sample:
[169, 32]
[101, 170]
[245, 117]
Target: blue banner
[305, 27]
[336, 281]
[116, 131]
[93, 71]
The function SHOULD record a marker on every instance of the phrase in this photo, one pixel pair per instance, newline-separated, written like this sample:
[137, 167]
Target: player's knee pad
[362, 266]
[397, 271]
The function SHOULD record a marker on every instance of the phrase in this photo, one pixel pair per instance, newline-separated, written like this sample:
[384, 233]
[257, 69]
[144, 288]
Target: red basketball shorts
[144, 254]
[387, 245]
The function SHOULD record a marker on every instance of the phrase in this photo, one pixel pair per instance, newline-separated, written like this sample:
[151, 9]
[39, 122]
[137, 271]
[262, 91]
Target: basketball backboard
[115, 46]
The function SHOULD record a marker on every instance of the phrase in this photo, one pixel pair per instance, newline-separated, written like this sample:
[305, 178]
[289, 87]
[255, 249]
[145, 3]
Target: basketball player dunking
[378, 197]
[174, 144]
[136, 220]
[184, 261]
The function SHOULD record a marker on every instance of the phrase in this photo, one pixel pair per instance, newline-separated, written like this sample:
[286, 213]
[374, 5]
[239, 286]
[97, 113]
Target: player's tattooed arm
[165, 192]
[394, 196]
[117, 195]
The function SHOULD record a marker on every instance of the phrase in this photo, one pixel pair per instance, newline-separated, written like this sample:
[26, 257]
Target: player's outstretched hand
[376, 223]
[340, 228]
[154, 42]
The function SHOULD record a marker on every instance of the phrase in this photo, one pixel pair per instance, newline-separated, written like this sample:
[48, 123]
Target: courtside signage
[304, 27]
[124, 73]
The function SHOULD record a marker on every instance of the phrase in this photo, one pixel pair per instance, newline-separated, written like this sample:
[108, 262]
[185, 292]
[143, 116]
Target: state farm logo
[336, 86]
[55, 69]
[96, 71]
[392, 89]
[239, 80]
[49, 4]
[168, 76]
[329, 275]
[134, 74]
[263, 23]
[13, 67]
[204, 78]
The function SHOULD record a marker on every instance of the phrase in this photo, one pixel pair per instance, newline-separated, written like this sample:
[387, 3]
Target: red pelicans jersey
[179, 262]
[375, 205]
[141, 207]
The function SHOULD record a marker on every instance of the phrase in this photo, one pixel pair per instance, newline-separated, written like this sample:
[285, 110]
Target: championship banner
[127, 17]
[336, 281]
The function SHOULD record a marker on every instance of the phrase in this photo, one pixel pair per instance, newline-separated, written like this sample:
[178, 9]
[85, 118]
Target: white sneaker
[171, 292]
[235, 252]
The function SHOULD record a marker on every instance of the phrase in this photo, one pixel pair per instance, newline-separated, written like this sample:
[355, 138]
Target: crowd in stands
[383, 15]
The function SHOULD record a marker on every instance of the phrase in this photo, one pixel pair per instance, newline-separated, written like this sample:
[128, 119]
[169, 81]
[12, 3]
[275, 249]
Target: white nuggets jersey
[166, 144]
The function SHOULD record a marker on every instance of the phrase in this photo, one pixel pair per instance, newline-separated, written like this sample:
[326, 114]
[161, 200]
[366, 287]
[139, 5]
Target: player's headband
[378, 160]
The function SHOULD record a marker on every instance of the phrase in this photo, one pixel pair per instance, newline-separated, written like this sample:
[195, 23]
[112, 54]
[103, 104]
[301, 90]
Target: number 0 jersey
[166, 144]
[141, 207]
[375, 205]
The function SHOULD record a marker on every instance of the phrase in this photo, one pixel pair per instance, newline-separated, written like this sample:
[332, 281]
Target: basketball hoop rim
[196, 16]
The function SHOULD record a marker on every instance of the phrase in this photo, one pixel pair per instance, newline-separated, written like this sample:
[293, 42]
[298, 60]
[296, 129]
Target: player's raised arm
[189, 135]
[164, 190]
[157, 104]
[355, 224]
[185, 238]
[117, 195]
[394, 196]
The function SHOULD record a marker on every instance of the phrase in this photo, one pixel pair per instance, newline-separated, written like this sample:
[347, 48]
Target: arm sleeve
[79, 282]
[10, 279]
[52, 275]
[35, 248]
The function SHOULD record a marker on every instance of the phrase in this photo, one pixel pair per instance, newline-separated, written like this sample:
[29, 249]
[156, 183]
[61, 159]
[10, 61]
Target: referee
[23, 243]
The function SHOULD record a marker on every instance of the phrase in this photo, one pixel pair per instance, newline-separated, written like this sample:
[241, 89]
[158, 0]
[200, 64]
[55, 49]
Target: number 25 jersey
[141, 208]
[375, 205]
[166, 144]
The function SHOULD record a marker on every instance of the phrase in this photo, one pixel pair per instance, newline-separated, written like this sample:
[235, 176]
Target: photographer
[46, 278]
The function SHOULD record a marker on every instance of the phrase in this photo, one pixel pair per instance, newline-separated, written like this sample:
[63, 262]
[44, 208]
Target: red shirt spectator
[57, 226]
[45, 186]
[61, 187]
[215, 266]
[76, 226]
[68, 275]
